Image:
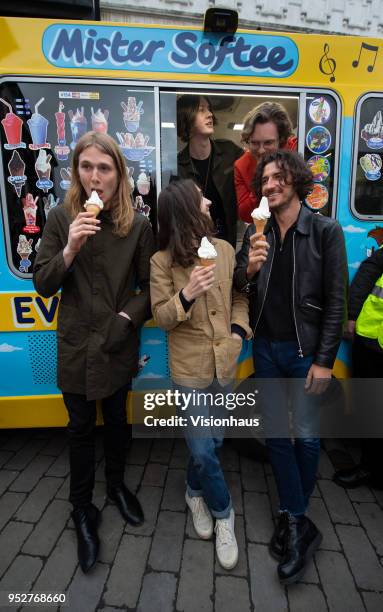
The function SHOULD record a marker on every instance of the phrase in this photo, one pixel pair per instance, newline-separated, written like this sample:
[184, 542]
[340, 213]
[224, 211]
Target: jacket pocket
[117, 333]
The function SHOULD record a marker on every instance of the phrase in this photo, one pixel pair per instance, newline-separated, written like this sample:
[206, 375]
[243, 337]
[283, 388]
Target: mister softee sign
[161, 50]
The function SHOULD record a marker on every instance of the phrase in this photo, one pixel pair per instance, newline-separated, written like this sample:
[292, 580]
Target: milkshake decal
[16, 169]
[24, 249]
[78, 125]
[30, 209]
[38, 126]
[43, 171]
[100, 120]
[61, 149]
[12, 125]
[49, 202]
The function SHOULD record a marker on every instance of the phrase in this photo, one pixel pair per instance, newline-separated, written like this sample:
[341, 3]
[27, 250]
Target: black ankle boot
[86, 521]
[127, 503]
[277, 544]
[303, 538]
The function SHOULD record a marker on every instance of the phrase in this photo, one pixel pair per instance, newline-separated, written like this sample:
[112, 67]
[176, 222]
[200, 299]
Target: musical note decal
[327, 65]
[369, 49]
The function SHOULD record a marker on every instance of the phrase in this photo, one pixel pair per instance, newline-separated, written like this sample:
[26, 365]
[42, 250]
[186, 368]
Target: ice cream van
[59, 79]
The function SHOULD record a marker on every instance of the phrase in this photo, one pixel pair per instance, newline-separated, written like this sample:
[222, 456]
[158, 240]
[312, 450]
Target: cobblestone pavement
[162, 566]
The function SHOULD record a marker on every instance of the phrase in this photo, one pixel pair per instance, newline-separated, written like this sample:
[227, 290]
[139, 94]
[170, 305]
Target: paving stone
[110, 533]
[21, 574]
[311, 575]
[180, 455]
[316, 492]
[16, 440]
[56, 444]
[139, 451]
[124, 582]
[166, 551]
[150, 498]
[47, 530]
[174, 493]
[241, 568]
[338, 503]
[11, 540]
[195, 588]
[5, 456]
[361, 494]
[6, 478]
[60, 565]
[258, 519]
[253, 475]
[63, 492]
[155, 474]
[367, 570]
[229, 458]
[379, 497]
[133, 477]
[37, 501]
[60, 467]
[100, 472]
[30, 476]
[161, 451]
[9, 502]
[233, 481]
[371, 516]
[319, 515]
[266, 592]
[373, 601]
[326, 468]
[158, 593]
[231, 594]
[99, 495]
[337, 581]
[25, 455]
[305, 597]
[85, 590]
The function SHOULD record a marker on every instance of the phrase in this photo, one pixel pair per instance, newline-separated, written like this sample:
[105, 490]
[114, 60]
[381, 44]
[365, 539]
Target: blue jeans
[204, 477]
[294, 463]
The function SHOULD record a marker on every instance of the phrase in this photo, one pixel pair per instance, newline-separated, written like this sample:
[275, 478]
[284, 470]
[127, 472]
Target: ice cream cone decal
[61, 149]
[38, 126]
[49, 202]
[12, 125]
[30, 209]
[16, 169]
[24, 249]
[43, 170]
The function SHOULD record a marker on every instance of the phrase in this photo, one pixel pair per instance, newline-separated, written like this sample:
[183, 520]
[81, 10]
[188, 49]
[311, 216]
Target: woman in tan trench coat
[206, 321]
[97, 263]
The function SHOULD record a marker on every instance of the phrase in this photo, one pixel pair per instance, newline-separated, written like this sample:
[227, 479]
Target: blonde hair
[121, 206]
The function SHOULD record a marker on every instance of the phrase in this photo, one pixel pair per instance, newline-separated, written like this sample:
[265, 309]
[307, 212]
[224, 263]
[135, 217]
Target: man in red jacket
[267, 127]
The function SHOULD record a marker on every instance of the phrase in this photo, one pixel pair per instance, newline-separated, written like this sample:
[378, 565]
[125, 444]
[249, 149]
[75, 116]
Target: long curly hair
[268, 112]
[293, 169]
[182, 225]
[121, 206]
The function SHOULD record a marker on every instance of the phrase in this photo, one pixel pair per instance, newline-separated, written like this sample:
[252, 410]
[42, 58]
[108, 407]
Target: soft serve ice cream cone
[206, 253]
[94, 204]
[261, 215]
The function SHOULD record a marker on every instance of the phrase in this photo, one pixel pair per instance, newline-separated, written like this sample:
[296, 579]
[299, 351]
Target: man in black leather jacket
[296, 279]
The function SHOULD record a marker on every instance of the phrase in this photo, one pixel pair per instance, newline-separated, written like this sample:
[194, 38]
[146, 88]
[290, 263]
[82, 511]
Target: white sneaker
[202, 519]
[225, 542]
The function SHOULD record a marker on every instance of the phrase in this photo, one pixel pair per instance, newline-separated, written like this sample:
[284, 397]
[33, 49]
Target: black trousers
[81, 431]
[368, 363]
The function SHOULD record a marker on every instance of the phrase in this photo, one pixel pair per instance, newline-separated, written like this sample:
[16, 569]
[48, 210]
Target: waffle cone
[206, 262]
[92, 208]
[260, 226]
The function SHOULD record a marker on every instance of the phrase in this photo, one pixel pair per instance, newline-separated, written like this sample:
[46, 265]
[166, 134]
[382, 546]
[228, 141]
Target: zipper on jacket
[300, 352]
[312, 306]
[267, 284]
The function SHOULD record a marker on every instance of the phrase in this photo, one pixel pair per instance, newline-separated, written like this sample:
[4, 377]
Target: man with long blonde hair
[97, 262]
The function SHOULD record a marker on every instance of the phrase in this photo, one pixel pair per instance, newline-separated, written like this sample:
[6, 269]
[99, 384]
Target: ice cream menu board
[320, 143]
[40, 126]
[369, 142]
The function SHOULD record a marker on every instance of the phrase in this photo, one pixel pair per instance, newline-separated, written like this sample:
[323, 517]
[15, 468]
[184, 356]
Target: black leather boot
[86, 521]
[277, 544]
[303, 538]
[127, 503]
[354, 477]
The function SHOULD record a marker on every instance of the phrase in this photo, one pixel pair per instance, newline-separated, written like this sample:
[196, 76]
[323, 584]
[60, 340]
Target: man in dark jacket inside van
[296, 278]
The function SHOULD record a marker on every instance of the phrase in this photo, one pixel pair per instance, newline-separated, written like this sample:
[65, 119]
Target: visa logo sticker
[161, 50]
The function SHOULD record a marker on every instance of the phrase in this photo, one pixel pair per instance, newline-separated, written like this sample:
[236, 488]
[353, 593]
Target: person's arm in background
[246, 199]
[364, 280]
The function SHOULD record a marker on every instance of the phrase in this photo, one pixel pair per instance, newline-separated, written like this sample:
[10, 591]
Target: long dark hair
[187, 109]
[288, 162]
[182, 225]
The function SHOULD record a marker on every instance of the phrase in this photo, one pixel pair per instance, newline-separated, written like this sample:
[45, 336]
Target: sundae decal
[140, 206]
[132, 114]
[372, 133]
[49, 202]
[61, 149]
[12, 125]
[16, 169]
[43, 171]
[24, 249]
[134, 148]
[118, 48]
[143, 184]
[78, 125]
[371, 164]
[30, 209]
[100, 120]
[38, 127]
